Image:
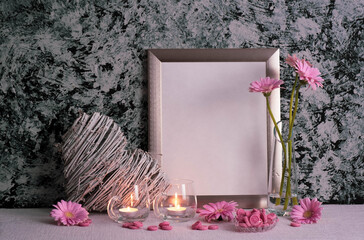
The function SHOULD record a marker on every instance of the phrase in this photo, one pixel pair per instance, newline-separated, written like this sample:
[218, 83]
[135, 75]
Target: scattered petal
[152, 228]
[213, 227]
[168, 228]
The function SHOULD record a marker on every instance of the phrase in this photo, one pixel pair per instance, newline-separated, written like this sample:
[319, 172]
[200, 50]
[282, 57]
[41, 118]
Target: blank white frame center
[213, 130]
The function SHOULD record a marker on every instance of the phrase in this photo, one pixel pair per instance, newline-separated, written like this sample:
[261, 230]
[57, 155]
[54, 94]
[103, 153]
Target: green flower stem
[288, 187]
[283, 146]
[294, 199]
[294, 111]
[292, 118]
[291, 101]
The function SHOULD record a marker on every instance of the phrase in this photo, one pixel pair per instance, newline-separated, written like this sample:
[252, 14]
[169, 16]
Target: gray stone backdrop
[60, 56]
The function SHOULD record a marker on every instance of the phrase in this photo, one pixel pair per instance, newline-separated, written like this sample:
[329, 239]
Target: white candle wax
[176, 211]
[128, 212]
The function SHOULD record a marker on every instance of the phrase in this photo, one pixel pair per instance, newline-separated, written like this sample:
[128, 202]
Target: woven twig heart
[95, 158]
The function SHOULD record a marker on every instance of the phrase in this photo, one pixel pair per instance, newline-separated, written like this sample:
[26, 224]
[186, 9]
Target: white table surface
[337, 222]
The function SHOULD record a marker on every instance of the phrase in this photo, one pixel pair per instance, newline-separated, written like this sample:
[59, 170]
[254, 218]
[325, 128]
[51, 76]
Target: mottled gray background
[60, 56]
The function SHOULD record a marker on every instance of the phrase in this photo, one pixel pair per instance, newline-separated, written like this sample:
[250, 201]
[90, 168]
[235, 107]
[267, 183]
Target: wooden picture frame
[172, 127]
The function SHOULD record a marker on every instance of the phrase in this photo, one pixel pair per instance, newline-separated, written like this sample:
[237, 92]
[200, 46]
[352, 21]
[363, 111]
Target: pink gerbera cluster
[218, 211]
[309, 211]
[305, 71]
[70, 213]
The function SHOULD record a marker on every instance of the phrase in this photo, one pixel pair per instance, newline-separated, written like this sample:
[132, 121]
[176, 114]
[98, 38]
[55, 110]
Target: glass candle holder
[177, 203]
[129, 202]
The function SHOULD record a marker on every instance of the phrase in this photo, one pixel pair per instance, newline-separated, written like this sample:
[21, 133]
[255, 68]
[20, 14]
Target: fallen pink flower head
[218, 211]
[309, 211]
[70, 213]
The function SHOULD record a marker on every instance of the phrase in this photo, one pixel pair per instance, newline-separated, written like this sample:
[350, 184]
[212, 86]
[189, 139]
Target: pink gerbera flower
[69, 213]
[218, 211]
[291, 60]
[308, 212]
[309, 74]
[265, 85]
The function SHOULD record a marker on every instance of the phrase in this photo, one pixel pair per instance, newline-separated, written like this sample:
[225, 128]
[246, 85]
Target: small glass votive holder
[177, 203]
[129, 202]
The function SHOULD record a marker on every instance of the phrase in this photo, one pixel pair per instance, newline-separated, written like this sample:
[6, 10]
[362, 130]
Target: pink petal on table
[165, 223]
[127, 225]
[138, 224]
[152, 228]
[168, 228]
[196, 225]
[202, 227]
[294, 224]
[133, 227]
[213, 227]
[84, 224]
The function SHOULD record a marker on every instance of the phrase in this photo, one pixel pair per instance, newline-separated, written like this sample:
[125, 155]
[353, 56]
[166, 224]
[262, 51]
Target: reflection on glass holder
[129, 202]
[178, 203]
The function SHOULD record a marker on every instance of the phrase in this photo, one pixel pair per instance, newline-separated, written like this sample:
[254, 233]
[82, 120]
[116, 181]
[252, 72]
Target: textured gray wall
[61, 56]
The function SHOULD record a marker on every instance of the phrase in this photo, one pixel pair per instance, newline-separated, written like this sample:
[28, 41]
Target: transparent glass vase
[282, 190]
[177, 203]
[129, 202]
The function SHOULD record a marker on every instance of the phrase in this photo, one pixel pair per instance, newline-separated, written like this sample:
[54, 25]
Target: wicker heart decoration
[95, 156]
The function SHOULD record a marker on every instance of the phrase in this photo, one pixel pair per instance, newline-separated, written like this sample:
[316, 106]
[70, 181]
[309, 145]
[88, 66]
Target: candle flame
[176, 201]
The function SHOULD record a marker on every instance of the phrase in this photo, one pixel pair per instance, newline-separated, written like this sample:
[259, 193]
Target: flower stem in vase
[288, 189]
[291, 121]
[278, 200]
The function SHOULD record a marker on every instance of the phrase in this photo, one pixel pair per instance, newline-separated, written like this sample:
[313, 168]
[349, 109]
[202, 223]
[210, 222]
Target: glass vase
[282, 190]
[129, 202]
[177, 203]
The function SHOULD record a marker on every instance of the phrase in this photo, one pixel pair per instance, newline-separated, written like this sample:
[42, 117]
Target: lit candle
[177, 210]
[129, 211]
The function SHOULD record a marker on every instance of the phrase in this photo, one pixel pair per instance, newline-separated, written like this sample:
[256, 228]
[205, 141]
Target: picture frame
[188, 130]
